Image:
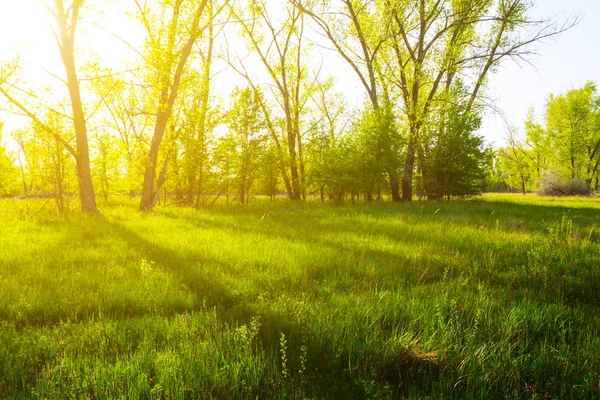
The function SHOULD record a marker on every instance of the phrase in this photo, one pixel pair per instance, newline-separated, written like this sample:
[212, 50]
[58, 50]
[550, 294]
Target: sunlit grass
[488, 298]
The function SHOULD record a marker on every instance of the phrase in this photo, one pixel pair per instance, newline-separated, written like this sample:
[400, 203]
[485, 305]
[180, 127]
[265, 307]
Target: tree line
[160, 129]
[565, 144]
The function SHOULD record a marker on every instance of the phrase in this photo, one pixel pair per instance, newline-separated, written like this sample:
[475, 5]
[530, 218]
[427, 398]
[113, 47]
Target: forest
[161, 129]
[296, 199]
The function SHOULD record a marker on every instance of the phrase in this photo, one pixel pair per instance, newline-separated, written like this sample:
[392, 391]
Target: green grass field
[491, 298]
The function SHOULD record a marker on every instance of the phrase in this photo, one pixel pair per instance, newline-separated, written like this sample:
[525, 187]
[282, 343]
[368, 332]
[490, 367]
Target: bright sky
[564, 63]
[567, 62]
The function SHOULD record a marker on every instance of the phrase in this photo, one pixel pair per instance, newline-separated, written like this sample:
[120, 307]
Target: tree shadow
[328, 369]
[330, 375]
[495, 261]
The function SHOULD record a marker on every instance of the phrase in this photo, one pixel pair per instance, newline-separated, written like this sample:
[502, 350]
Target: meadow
[495, 297]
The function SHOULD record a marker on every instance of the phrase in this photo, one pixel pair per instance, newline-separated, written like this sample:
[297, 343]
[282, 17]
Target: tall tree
[280, 47]
[172, 31]
[357, 31]
[66, 17]
[434, 42]
[200, 119]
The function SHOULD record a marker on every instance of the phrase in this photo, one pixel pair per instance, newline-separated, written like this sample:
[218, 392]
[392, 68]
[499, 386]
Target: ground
[494, 297]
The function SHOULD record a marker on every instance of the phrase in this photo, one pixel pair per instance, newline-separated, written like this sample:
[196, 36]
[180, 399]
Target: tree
[573, 131]
[66, 17]
[357, 31]
[200, 118]
[454, 156]
[172, 31]
[247, 126]
[536, 139]
[51, 172]
[8, 170]
[434, 42]
[122, 116]
[280, 50]
[516, 163]
[225, 160]
[269, 177]
[106, 162]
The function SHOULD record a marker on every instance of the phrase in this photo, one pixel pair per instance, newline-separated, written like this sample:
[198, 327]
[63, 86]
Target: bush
[552, 184]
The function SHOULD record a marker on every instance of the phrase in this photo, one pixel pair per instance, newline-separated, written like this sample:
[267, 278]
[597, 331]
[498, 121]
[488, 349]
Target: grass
[490, 298]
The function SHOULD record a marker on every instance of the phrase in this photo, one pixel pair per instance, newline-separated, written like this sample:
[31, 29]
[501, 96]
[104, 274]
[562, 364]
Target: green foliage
[454, 159]
[356, 163]
[573, 129]
[565, 145]
[9, 175]
[514, 162]
[106, 165]
[247, 129]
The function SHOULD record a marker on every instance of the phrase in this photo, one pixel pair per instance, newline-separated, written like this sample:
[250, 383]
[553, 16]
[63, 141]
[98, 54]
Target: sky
[562, 63]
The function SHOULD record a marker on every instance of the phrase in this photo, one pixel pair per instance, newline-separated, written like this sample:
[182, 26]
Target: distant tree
[225, 159]
[516, 163]
[536, 139]
[199, 119]
[106, 163]
[247, 126]
[269, 178]
[9, 174]
[573, 131]
[50, 169]
[455, 161]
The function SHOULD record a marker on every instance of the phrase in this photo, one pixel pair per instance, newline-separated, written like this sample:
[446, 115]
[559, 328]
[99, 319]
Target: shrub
[552, 184]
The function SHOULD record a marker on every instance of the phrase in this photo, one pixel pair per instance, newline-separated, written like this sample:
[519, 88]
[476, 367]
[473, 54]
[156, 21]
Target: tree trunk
[291, 136]
[301, 161]
[23, 176]
[105, 178]
[147, 201]
[409, 168]
[168, 95]
[394, 186]
[84, 176]
[243, 192]
[59, 196]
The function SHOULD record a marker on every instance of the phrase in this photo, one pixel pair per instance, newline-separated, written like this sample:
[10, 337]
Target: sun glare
[25, 29]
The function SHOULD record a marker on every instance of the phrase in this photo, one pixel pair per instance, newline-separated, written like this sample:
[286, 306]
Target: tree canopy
[164, 129]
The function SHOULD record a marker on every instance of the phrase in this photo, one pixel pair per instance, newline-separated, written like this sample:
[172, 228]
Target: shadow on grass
[502, 264]
[328, 371]
[335, 369]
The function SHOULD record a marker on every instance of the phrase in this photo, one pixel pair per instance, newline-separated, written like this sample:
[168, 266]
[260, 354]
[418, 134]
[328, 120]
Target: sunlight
[25, 29]
[296, 199]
